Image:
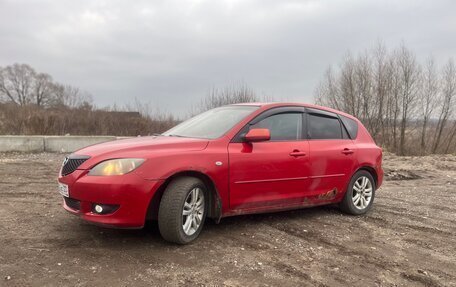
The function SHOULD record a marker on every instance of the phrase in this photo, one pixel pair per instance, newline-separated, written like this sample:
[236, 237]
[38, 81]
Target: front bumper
[130, 192]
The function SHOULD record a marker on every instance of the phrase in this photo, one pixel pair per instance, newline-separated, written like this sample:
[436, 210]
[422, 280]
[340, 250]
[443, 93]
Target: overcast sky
[170, 53]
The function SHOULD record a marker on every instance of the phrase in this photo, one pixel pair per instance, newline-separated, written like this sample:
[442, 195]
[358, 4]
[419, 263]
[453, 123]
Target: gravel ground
[408, 239]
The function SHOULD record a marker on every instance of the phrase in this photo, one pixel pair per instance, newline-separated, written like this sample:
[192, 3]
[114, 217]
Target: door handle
[347, 151]
[297, 153]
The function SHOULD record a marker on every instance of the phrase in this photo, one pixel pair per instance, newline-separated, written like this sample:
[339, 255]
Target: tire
[182, 195]
[350, 203]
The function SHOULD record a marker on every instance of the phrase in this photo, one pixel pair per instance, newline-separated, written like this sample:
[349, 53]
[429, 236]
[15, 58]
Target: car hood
[140, 147]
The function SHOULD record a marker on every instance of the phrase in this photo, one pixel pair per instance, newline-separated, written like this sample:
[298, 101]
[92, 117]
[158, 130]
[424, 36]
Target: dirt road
[408, 239]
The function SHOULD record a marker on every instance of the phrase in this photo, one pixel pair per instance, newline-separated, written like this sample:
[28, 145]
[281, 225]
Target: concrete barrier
[62, 144]
[22, 143]
[72, 143]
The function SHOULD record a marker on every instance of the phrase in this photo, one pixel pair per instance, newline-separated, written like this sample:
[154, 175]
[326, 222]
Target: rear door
[332, 154]
[274, 172]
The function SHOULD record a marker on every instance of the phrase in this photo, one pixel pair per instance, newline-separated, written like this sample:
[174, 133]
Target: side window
[322, 127]
[286, 126]
[351, 125]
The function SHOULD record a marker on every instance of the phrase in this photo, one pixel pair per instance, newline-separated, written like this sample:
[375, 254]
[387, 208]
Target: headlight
[116, 166]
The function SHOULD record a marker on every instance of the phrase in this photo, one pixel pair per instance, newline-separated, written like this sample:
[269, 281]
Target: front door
[274, 172]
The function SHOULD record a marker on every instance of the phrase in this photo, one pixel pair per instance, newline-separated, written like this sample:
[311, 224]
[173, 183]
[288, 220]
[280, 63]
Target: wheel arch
[372, 172]
[215, 204]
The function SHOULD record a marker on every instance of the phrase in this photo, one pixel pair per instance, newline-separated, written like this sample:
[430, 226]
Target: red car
[236, 159]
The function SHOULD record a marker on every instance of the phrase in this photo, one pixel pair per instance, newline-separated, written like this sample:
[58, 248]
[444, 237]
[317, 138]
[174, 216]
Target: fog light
[98, 208]
[103, 209]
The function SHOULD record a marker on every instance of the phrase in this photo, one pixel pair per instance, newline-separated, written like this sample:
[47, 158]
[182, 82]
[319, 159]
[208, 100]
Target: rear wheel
[182, 210]
[360, 194]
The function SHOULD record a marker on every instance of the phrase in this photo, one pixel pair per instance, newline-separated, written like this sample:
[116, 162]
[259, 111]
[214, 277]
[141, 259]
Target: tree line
[22, 85]
[32, 103]
[408, 106]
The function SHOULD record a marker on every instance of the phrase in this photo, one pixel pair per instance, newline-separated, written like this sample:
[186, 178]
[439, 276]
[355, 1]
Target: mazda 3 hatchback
[236, 159]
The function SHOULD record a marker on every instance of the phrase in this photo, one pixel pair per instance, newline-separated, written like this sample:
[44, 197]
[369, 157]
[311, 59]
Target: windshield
[211, 124]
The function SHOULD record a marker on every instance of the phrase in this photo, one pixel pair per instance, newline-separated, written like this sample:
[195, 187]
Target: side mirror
[257, 135]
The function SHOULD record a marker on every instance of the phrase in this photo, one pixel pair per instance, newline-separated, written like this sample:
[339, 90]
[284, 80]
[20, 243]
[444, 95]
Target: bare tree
[347, 86]
[450, 92]
[327, 93]
[364, 92]
[409, 73]
[448, 99]
[16, 83]
[69, 96]
[238, 93]
[428, 98]
[451, 137]
[43, 87]
[381, 87]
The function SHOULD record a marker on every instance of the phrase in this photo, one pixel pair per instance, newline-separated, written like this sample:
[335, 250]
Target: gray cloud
[171, 52]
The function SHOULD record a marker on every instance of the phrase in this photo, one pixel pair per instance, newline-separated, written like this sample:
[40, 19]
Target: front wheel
[182, 210]
[360, 194]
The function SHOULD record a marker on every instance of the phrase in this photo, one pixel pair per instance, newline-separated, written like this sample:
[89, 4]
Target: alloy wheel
[193, 211]
[362, 192]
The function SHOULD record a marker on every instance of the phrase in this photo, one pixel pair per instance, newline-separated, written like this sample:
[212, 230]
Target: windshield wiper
[178, 136]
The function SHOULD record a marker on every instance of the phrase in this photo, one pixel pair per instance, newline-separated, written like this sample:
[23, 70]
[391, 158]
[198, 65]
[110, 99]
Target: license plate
[63, 189]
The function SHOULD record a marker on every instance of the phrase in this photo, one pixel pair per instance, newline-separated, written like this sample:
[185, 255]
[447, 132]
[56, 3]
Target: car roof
[267, 105]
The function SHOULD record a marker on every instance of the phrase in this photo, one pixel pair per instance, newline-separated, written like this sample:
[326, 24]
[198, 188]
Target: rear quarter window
[351, 126]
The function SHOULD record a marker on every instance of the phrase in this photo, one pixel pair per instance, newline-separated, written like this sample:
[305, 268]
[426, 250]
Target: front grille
[73, 203]
[72, 162]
